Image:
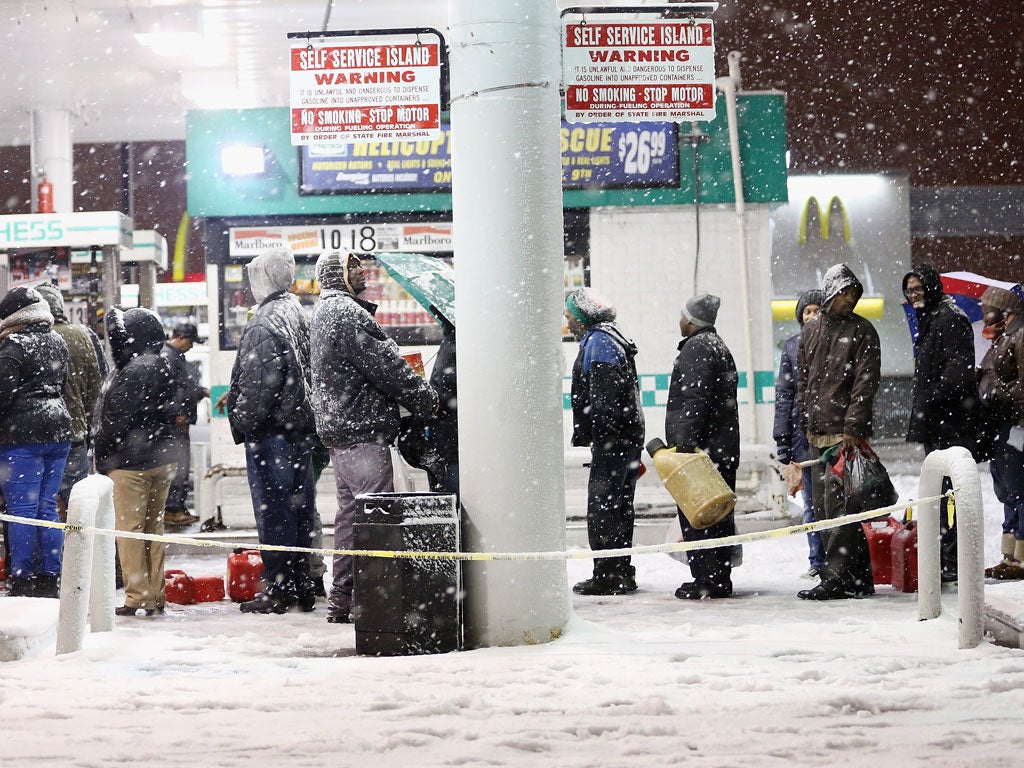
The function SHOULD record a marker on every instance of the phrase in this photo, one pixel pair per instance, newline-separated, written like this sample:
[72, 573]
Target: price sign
[608, 155]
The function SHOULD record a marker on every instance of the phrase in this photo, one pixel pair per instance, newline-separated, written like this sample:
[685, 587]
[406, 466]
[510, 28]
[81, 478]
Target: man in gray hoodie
[359, 382]
[269, 410]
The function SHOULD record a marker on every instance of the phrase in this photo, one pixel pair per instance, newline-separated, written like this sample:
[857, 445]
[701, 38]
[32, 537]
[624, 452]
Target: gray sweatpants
[360, 468]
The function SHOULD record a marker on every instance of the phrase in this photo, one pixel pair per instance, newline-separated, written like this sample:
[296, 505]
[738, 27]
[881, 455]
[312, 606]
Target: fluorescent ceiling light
[171, 30]
[243, 159]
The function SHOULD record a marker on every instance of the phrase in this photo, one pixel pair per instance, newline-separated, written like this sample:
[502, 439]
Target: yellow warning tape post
[584, 554]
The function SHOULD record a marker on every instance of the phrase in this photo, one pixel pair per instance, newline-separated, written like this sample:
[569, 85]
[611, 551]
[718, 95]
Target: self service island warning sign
[636, 71]
[364, 90]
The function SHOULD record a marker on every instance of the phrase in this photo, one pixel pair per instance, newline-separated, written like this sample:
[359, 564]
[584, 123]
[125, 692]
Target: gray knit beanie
[702, 309]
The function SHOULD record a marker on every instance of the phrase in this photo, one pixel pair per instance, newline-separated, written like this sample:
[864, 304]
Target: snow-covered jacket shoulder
[33, 370]
[359, 377]
[270, 380]
[790, 441]
[701, 410]
[605, 391]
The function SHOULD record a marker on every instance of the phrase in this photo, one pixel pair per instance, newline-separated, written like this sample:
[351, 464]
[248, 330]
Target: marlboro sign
[638, 71]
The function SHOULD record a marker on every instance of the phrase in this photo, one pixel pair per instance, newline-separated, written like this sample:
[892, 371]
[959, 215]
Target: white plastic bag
[400, 472]
[674, 535]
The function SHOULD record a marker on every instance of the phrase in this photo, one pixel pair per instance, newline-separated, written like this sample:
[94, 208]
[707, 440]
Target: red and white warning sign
[364, 90]
[639, 70]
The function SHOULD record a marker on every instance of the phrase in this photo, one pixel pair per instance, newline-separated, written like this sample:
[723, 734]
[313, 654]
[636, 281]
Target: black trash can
[406, 606]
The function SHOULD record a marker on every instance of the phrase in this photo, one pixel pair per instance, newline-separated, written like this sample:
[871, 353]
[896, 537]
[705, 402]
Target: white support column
[958, 465]
[91, 503]
[507, 206]
[51, 155]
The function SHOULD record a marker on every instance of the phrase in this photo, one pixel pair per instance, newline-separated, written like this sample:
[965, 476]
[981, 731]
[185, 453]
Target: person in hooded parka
[838, 372]
[35, 437]
[359, 381]
[133, 439]
[269, 411]
[945, 394]
[790, 441]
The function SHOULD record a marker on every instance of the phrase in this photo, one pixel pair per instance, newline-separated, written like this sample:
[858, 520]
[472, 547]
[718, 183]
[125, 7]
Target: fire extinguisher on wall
[44, 200]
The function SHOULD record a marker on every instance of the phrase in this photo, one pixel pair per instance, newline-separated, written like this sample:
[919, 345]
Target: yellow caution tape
[584, 554]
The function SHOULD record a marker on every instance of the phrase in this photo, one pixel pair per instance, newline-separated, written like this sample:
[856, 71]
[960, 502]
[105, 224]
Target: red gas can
[244, 569]
[880, 534]
[904, 558]
[178, 587]
[208, 589]
[3, 569]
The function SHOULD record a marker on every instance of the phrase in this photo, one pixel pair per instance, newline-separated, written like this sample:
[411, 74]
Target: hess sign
[364, 90]
[635, 71]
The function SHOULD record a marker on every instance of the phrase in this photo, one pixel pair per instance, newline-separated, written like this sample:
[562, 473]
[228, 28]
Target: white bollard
[960, 467]
[103, 592]
[91, 499]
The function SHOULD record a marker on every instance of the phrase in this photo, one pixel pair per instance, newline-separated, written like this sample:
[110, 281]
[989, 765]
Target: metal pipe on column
[507, 225]
[51, 156]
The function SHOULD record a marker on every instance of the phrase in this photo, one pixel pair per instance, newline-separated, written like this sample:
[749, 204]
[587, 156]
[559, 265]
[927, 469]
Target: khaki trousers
[139, 498]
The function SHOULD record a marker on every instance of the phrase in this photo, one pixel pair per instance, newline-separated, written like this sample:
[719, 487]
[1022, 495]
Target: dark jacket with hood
[945, 388]
[839, 365]
[33, 370]
[701, 410]
[270, 380]
[359, 376]
[134, 424]
[790, 440]
[605, 395]
[85, 375]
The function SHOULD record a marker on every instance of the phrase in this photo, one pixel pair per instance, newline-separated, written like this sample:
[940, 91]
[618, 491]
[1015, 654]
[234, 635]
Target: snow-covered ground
[644, 680]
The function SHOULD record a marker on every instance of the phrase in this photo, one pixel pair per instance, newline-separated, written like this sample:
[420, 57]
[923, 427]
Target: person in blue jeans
[790, 441]
[269, 411]
[35, 437]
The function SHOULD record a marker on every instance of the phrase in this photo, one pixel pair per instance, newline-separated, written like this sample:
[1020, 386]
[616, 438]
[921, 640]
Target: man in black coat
[269, 410]
[606, 415]
[188, 394]
[702, 413]
[945, 385]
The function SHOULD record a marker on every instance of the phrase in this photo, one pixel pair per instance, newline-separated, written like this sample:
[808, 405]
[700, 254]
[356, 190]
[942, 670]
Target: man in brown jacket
[839, 363]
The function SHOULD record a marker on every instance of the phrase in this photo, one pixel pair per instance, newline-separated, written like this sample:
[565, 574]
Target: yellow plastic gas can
[694, 483]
